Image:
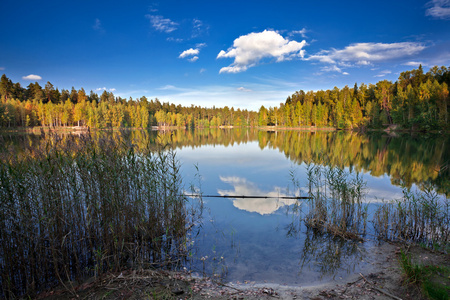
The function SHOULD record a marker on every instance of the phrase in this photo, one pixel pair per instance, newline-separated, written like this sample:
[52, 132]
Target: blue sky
[209, 53]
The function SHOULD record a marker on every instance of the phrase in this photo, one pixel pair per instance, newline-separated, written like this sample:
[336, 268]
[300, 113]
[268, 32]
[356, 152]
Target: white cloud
[414, 63]
[332, 68]
[363, 63]
[383, 73]
[104, 89]
[98, 26]
[368, 53]
[176, 40]
[198, 28]
[2, 68]
[202, 70]
[161, 24]
[32, 77]
[189, 52]
[248, 50]
[438, 9]
[170, 87]
[243, 89]
[200, 45]
[301, 32]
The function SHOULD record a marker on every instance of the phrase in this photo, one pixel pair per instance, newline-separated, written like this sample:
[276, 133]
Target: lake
[264, 239]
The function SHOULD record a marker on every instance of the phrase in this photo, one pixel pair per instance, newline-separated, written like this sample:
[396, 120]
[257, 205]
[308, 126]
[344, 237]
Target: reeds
[80, 207]
[336, 201]
[421, 217]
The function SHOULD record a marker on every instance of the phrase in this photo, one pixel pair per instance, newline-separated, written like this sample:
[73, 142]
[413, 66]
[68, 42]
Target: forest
[416, 101]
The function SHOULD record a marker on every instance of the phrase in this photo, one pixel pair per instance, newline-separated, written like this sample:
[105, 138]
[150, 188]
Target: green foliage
[434, 280]
[416, 101]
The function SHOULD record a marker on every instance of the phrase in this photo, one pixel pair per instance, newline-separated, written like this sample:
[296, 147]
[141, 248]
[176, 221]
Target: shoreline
[384, 280]
[80, 129]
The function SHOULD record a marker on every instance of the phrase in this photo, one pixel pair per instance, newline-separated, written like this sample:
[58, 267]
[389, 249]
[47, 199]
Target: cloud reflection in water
[243, 187]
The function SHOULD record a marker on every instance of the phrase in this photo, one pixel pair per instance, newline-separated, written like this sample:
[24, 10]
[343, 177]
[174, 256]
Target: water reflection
[242, 186]
[329, 254]
[324, 253]
[256, 239]
[275, 248]
[405, 159]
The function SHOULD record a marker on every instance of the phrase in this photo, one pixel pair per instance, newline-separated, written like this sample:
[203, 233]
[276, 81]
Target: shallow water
[263, 240]
[258, 240]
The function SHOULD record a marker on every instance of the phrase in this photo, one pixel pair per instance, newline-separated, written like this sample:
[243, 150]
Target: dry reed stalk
[80, 207]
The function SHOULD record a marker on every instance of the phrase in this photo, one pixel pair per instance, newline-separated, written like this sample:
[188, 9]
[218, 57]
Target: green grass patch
[433, 280]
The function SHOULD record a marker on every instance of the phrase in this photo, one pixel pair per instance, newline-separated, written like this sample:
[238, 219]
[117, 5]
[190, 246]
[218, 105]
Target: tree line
[37, 106]
[417, 100]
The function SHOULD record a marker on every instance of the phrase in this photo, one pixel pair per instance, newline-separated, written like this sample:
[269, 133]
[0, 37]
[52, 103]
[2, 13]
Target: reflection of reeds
[336, 205]
[79, 207]
[329, 253]
[421, 217]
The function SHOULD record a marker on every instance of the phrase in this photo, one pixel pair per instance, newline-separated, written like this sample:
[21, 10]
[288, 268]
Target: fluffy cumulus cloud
[162, 24]
[190, 54]
[368, 53]
[32, 77]
[248, 50]
[439, 9]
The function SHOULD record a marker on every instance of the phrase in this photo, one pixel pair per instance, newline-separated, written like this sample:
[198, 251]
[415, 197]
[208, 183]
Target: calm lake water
[262, 239]
[257, 240]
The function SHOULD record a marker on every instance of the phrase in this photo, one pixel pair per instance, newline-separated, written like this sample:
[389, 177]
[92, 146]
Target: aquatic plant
[422, 217]
[336, 201]
[78, 207]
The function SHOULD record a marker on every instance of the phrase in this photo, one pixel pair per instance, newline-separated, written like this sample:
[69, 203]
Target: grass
[434, 281]
[420, 217]
[336, 201]
[78, 207]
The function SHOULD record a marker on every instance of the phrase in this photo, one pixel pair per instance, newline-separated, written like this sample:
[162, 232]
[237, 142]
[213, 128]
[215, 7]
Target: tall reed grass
[78, 207]
[421, 217]
[336, 202]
